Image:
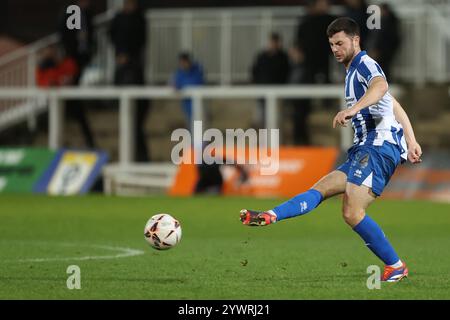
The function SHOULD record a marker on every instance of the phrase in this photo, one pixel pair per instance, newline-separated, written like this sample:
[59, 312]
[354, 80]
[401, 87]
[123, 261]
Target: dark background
[29, 20]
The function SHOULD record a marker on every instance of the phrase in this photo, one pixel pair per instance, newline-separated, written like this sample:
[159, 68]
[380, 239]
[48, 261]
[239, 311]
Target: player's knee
[352, 214]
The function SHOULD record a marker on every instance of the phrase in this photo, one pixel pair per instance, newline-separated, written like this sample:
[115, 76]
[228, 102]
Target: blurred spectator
[357, 10]
[54, 71]
[384, 43]
[301, 108]
[210, 179]
[78, 45]
[271, 66]
[128, 35]
[297, 65]
[311, 39]
[189, 73]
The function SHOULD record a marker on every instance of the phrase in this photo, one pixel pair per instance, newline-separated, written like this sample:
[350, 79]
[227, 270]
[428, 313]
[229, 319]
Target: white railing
[138, 178]
[226, 40]
[18, 69]
[126, 97]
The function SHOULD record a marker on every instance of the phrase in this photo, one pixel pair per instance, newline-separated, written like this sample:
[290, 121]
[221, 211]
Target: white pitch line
[124, 252]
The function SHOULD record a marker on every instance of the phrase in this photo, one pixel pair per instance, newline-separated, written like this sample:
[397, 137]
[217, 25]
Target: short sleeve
[369, 70]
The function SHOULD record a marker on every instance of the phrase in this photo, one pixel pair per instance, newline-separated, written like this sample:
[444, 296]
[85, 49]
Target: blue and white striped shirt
[375, 124]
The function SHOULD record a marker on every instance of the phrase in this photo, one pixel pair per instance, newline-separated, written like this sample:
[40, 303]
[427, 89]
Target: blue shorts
[371, 166]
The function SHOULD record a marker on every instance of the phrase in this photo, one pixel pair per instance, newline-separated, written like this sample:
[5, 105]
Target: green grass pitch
[316, 256]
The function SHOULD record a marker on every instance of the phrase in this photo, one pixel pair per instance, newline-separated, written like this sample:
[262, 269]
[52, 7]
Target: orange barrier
[299, 169]
[412, 182]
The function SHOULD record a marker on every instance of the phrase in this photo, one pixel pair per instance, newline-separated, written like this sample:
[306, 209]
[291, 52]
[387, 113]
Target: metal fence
[55, 98]
[18, 69]
[226, 41]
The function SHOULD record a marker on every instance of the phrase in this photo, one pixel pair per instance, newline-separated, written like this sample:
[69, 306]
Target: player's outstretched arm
[376, 90]
[414, 149]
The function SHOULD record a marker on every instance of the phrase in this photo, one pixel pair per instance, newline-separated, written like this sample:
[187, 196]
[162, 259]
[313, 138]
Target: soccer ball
[162, 231]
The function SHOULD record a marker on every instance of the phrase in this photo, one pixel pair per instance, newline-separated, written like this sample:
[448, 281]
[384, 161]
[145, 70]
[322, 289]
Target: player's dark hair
[349, 26]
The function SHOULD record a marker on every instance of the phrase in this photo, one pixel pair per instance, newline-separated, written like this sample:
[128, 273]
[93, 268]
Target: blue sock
[298, 205]
[376, 241]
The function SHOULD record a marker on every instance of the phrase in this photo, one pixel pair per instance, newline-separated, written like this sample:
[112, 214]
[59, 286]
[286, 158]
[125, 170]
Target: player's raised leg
[328, 186]
[356, 200]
